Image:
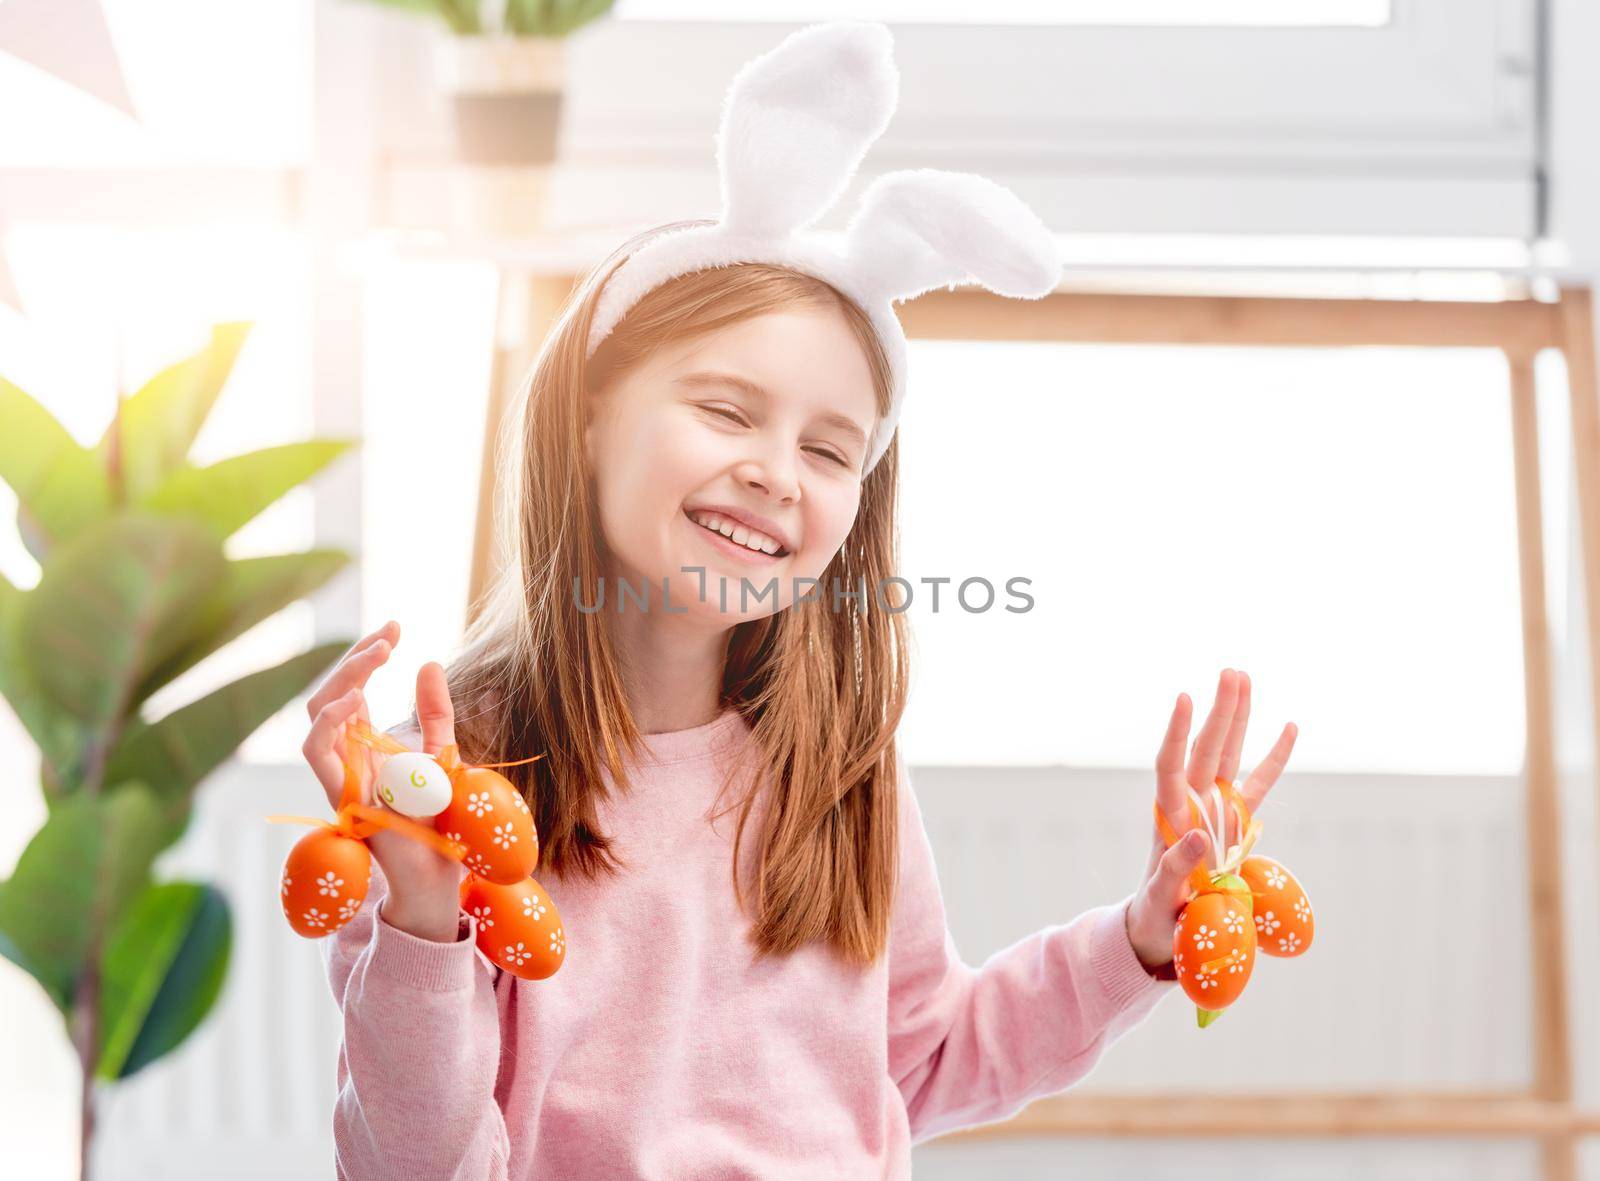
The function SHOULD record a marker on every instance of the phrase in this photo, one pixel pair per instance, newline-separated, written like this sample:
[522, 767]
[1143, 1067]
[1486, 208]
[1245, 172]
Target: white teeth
[737, 532]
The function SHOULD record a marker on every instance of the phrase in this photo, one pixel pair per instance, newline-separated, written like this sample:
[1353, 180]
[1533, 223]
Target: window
[129, 237]
[430, 330]
[1027, 12]
[1114, 116]
[252, 62]
[1180, 510]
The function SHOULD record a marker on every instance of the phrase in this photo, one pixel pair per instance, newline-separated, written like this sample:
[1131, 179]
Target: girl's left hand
[1155, 908]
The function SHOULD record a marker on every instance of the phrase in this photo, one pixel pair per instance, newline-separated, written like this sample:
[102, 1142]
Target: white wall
[1574, 140]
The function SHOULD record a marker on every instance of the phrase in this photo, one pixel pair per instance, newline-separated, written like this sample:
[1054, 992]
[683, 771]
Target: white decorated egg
[413, 784]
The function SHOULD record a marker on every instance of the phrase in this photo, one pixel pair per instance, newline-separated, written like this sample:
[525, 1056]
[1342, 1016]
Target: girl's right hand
[423, 884]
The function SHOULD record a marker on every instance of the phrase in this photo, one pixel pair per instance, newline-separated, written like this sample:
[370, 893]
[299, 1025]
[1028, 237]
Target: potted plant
[501, 66]
[134, 589]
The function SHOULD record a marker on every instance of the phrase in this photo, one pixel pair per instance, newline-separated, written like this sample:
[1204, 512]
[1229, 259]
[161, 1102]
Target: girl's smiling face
[769, 419]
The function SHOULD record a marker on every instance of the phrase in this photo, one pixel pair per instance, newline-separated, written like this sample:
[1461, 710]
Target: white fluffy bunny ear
[925, 227]
[797, 120]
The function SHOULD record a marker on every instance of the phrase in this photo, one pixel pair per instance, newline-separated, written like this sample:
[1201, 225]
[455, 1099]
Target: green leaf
[61, 487]
[162, 972]
[1207, 1016]
[461, 15]
[9, 950]
[192, 986]
[59, 738]
[249, 590]
[114, 602]
[77, 875]
[422, 7]
[134, 963]
[157, 425]
[526, 18]
[175, 754]
[565, 17]
[232, 491]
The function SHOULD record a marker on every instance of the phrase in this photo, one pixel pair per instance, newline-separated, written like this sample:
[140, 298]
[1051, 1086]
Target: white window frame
[1224, 130]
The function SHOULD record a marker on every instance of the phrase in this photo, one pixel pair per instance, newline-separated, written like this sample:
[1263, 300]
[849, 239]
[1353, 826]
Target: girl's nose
[773, 475]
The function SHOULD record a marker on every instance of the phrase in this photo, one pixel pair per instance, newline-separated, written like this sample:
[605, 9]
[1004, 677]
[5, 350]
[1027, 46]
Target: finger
[1228, 768]
[436, 716]
[1169, 889]
[1207, 753]
[1171, 787]
[352, 671]
[1153, 862]
[1255, 788]
[321, 745]
[389, 631]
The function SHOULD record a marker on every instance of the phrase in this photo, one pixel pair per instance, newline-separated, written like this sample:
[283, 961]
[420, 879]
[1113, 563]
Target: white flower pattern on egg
[558, 942]
[1275, 877]
[1234, 921]
[1290, 942]
[1236, 961]
[518, 955]
[503, 836]
[329, 884]
[314, 918]
[1302, 909]
[287, 881]
[1267, 923]
[478, 803]
[1203, 937]
[484, 915]
[348, 910]
[532, 908]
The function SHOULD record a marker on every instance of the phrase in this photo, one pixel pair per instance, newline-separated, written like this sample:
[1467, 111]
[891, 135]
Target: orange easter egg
[1214, 927]
[325, 880]
[1283, 920]
[519, 928]
[492, 820]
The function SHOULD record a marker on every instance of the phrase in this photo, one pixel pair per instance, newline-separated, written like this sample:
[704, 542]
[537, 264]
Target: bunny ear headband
[796, 122]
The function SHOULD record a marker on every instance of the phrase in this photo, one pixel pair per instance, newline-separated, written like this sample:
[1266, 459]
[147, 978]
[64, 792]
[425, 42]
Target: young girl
[758, 980]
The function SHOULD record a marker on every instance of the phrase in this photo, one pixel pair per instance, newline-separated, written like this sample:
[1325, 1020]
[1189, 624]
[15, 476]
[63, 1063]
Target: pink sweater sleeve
[419, 1051]
[976, 1045]
[418, 1055]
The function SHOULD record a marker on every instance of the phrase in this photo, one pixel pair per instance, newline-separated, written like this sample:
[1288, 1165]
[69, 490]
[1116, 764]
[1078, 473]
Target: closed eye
[833, 455]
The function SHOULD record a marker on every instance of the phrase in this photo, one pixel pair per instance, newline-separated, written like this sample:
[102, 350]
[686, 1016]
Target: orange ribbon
[449, 756]
[359, 821]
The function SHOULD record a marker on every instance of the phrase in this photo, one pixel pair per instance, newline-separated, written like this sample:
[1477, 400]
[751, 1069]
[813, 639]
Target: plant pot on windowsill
[505, 97]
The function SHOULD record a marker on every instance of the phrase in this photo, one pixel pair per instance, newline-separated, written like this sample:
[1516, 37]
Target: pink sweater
[660, 1050]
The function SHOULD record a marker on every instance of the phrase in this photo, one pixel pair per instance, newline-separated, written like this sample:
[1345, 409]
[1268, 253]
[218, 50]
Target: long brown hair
[823, 690]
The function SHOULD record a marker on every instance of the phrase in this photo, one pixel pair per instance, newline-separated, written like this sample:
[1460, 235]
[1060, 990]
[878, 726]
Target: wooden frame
[1520, 328]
